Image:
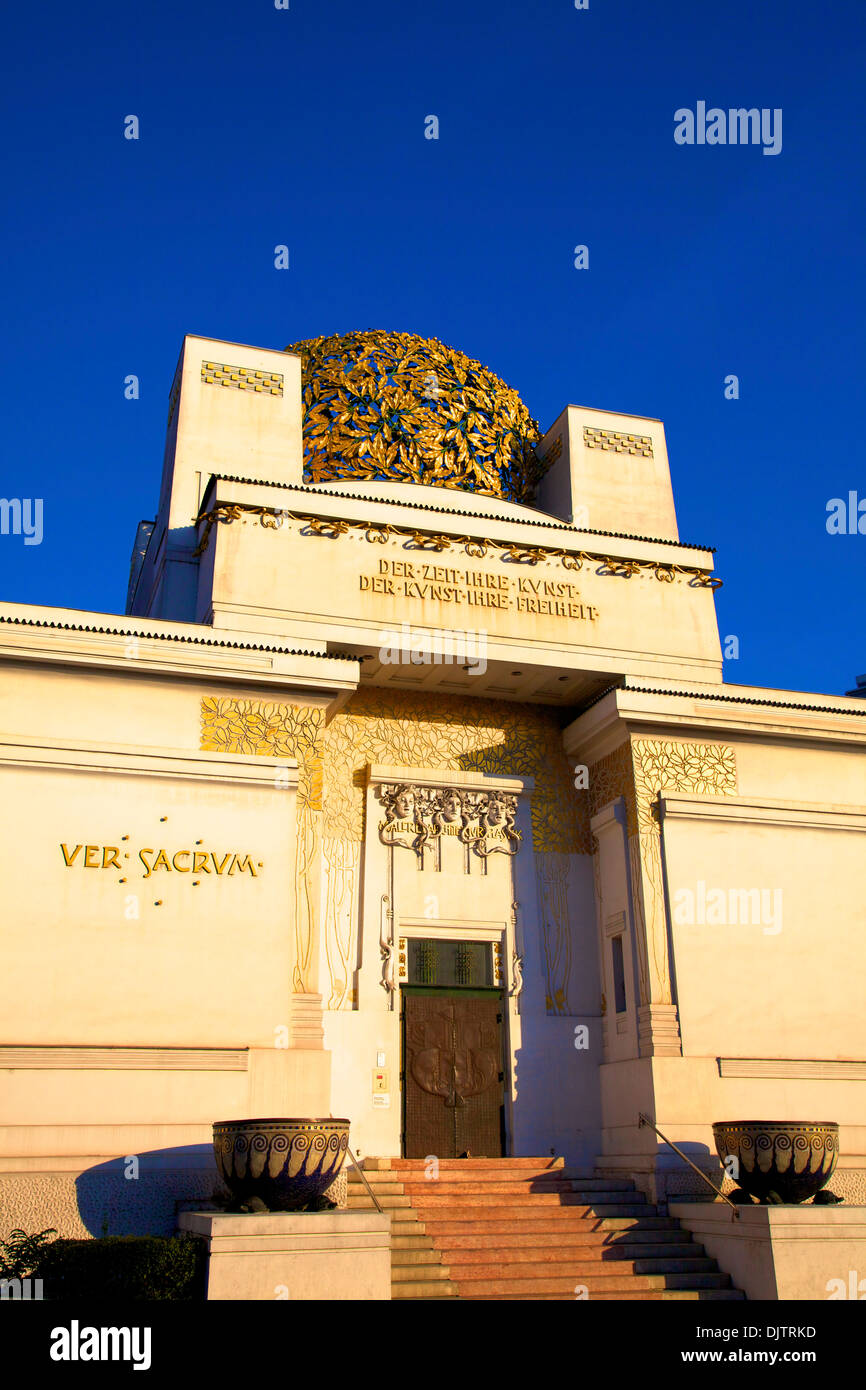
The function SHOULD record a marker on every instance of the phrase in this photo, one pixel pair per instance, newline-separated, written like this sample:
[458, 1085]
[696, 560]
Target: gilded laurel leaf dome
[394, 406]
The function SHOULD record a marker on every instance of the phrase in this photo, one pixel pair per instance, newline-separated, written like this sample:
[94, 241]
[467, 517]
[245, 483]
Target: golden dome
[394, 406]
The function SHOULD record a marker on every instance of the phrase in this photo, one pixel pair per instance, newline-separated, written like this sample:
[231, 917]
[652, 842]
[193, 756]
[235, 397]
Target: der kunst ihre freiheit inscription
[475, 588]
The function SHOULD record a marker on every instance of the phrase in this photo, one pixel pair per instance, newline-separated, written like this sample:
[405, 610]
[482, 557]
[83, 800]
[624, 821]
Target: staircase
[530, 1229]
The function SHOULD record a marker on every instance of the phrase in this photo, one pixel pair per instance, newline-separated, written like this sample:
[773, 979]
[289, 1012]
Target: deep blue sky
[306, 127]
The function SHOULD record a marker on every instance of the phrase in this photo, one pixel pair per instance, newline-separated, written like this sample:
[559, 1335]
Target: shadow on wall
[676, 1179]
[137, 1195]
[557, 1091]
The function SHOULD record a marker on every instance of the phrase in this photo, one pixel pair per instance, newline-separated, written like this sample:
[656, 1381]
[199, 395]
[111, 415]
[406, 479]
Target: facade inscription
[557, 598]
[182, 861]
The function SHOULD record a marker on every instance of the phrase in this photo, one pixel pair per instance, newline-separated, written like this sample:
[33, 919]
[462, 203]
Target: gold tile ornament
[270, 730]
[242, 378]
[618, 442]
[381, 405]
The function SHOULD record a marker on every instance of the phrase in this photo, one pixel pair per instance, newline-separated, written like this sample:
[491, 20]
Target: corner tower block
[608, 472]
[238, 410]
[232, 409]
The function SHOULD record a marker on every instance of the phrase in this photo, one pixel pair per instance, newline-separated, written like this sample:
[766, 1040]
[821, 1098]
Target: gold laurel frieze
[607, 565]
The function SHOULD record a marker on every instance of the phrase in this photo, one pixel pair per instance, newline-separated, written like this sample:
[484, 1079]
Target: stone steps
[675, 1250]
[410, 1273]
[531, 1229]
[526, 1209]
[561, 1238]
[484, 1280]
[423, 1256]
[535, 1187]
[419, 1289]
[568, 1260]
[552, 1222]
[388, 1200]
[645, 1222]
[470, 1165]
[640, 1295]
[417, 1270]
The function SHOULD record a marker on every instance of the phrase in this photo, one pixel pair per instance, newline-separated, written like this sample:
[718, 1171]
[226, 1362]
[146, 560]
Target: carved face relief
[495, 811]
[452, 807]
[404, 804]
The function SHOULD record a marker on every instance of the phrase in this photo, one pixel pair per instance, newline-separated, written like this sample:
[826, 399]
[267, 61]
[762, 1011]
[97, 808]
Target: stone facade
[348, 723]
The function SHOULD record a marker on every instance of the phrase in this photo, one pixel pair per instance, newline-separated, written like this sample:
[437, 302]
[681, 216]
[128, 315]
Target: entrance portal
[452, 1072]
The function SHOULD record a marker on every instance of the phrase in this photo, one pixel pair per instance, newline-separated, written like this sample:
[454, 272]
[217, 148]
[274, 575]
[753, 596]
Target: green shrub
[20, 1253]
[125, 1268]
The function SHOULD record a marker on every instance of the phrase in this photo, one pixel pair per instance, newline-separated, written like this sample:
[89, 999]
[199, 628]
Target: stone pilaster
[307, 1027]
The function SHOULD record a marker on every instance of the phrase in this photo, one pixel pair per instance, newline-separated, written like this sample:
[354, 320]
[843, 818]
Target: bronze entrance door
[453, 1079]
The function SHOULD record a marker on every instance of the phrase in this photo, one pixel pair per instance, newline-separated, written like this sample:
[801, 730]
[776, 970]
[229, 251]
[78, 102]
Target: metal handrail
[645, 1120]
[358, 1169]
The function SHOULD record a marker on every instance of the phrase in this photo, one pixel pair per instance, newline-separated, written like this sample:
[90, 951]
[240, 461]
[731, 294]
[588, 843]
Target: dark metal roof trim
[596, 699]
[174, 637]
[739, 700]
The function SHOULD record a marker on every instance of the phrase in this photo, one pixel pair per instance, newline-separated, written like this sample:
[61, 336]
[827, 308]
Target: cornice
[762, 811]
[479, 518]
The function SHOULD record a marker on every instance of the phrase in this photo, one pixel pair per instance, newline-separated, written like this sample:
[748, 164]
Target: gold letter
[70, 861]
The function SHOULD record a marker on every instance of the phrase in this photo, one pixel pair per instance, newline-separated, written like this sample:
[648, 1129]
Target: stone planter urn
[280, 1165]
[779, 1161]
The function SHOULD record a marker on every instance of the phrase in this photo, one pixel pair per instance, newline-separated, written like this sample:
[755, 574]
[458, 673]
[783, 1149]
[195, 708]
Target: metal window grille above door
[451, 964]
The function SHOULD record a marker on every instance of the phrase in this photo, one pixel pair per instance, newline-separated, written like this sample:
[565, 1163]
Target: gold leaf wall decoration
[499, 737]
[272, 731]
[446, 731]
